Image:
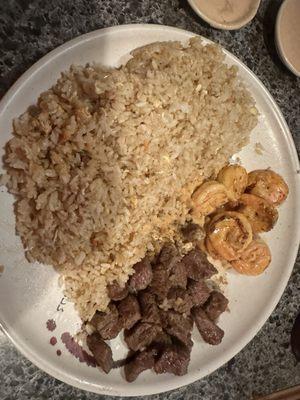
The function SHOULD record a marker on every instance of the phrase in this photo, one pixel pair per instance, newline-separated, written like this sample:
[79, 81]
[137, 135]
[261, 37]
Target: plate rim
[118, 390]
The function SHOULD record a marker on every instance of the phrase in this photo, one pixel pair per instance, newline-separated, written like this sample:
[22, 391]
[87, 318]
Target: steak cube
[169, 255]
[150, 312]
[142, 362]
[141, 335]
[161, 340]
[101, 351]
[142, 276]
[116, 292]
[174, 359]
[178, 275]
[107, 323]
[179, 299]
[178, 326]
[160, 284]
[191, 232]
[216, 305]
[209, 331]
[197, 265]
[199, 292]
[129, 311]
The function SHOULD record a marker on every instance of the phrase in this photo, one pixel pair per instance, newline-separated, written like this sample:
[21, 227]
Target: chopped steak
[129, 311]
[216, 305]
[107, 324]
[178, 277]
[199, 292]
[178, 326]
[169, 255]
[157, 309]
[101, 351]
[161, 340]
[197, 265]
[142, 276]
[141, 335]
[191, 231]
[209, 331]
[150, 312]
[142, 362]
[180, 300]
[117, 292]
[174, 359]
[160, 284]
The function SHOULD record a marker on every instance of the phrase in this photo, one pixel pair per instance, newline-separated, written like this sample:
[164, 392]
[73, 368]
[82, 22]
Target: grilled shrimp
[208, 247]
[254, 260]
[268, 185]
[235, 179]
[207, 198]
[229, 233]
[261, 214]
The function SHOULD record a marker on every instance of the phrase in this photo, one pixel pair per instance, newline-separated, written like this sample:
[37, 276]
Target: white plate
[29, 293]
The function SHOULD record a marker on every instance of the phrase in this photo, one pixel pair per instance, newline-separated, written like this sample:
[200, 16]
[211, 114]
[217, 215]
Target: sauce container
[226, 14]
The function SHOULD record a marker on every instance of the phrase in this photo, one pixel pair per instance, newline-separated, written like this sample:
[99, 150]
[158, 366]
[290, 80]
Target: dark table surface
[31, 28]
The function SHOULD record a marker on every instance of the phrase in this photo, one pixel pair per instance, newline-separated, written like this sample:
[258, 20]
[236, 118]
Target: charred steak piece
[143, 361]
[150, 312]
[160, 284]
[129, 311]
[180, 300]
[169, 255]
[215, 305]
[101, 351]
[116, 292]
[141, 335]
[142, 276]
[209, 331]
[107, 324]
[191, 232]
[199, 292]
[174, 359]
[178, 276]
[197, 265]
[161, 340]
[178, 326]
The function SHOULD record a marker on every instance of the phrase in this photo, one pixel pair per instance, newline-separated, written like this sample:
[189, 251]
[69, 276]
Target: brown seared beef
[107, 324]
[160, 284]
[199, 292]
[190, 232]
[177, 276]
[161, 340]
[141, 335]
[142, 276]
[170, 272]
[143, 361]
[216, 305]
[157, 309]
[174, 359]
[149, 309]
[209, 331]
[169, 255]
[129, 311]
[178, 326]
[101, 351]
[116, 292]
[197, 265]
[180, 300]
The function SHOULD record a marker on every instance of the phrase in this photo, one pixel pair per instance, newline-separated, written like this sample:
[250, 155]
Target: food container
[287, 34]
[226, 14]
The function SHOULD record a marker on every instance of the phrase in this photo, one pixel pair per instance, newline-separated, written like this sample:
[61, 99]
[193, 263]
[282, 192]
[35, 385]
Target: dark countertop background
[31, 28]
